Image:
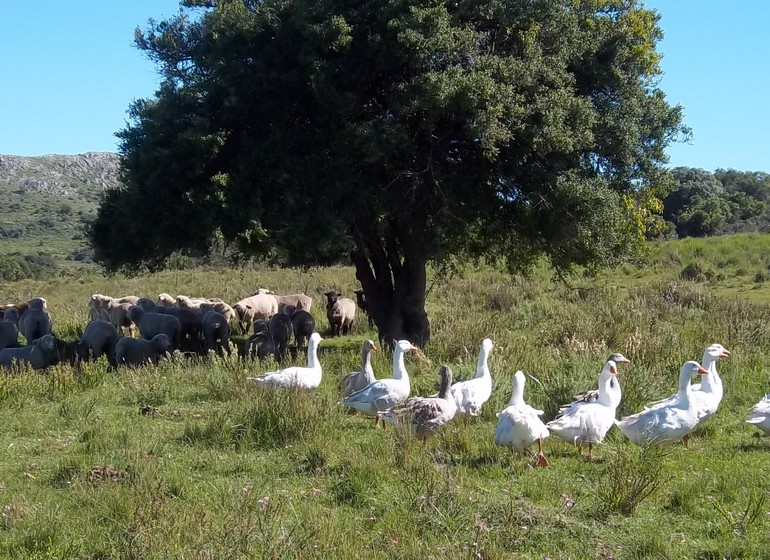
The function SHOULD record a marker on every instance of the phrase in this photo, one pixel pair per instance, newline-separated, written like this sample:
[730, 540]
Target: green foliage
[704, 203]
[408, 130]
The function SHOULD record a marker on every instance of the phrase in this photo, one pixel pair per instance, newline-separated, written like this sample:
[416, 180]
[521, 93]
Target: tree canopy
[397, 131]
[726, 201]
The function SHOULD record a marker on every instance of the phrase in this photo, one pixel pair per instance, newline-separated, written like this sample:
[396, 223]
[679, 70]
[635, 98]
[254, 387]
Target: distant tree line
[726, 201]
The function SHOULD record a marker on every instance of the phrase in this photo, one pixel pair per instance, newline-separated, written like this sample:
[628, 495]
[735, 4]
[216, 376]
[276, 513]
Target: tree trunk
[393, 277]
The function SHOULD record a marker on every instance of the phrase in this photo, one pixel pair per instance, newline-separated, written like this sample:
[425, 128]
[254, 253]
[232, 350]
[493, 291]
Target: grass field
[188, 460]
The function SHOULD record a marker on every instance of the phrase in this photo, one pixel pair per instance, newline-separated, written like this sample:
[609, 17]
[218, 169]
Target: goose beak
[413, 347]
[613, 370]
[372, 346]
[702, 371]
[625, 360]
[725, 353]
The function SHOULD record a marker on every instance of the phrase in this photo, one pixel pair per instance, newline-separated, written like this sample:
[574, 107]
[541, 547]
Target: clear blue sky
[69, 71]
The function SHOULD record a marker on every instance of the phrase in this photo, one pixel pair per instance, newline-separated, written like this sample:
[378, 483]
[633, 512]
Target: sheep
[19, 308]
[133, 352]
[9, 334]
[363, 305]
[99, 305]
[99, 338]
[66, 351]
[260, 343]
[302, 322]
[281, 329]
[165, 300]
[219, 307]
[194, 302]
[11, 315]
[216, 332]
[38, 355]
[202, 305]
[260, 306]
[190, 321]
[35, 321]
[118, 316]
[300, 301]
[153, 324]
[341, 312]
[38, 303]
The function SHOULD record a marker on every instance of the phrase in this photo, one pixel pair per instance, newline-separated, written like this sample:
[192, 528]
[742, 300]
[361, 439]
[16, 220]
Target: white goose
[426, 414]
[666, 423]
[384, 393]
[593, 394]
[760, 415]
[357, 380]
[708, 394]
[519, 425]
[588, 422]
[470, 395]
[306, 378]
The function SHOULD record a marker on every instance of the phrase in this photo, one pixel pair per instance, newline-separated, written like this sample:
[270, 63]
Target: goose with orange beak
[385, 393]
[670, 422]
[709, 392]
[588, 421]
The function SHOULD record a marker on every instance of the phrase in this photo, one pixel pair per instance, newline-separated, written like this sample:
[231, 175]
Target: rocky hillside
[46, 202]
[61, 175]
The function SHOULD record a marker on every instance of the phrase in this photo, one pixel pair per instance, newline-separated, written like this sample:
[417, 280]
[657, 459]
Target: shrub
[632, 475]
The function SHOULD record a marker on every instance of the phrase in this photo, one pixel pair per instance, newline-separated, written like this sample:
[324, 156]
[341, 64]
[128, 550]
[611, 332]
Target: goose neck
[366, 366]
[312, 354]
[517, 394]
[482, 368]
[399, 369]
[712, 379]
[684, 388]
[443, 391]
[605, 388]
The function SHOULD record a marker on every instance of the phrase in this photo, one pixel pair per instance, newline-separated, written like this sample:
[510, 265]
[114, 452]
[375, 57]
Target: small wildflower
[567, 501]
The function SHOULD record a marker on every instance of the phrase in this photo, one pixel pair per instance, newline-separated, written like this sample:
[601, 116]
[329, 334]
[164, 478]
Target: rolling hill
[47, 199]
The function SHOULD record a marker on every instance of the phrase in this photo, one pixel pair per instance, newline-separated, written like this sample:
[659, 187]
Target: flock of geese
[584, 421]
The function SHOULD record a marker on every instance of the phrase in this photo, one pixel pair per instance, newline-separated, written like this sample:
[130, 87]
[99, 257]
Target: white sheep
[165, 300]
[260, 306]
[117, 314]
[219, 307]
[300, 301]
[341, 312]
[99, 305]
[185, 302]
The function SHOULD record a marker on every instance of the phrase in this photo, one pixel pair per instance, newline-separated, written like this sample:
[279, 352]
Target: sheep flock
[134, 330]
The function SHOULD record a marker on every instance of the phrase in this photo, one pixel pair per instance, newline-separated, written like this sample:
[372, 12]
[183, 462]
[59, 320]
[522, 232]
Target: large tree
[400, 132]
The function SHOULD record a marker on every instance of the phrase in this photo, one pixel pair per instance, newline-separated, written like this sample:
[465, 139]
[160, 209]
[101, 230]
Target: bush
[691, 272]
[632, 475]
